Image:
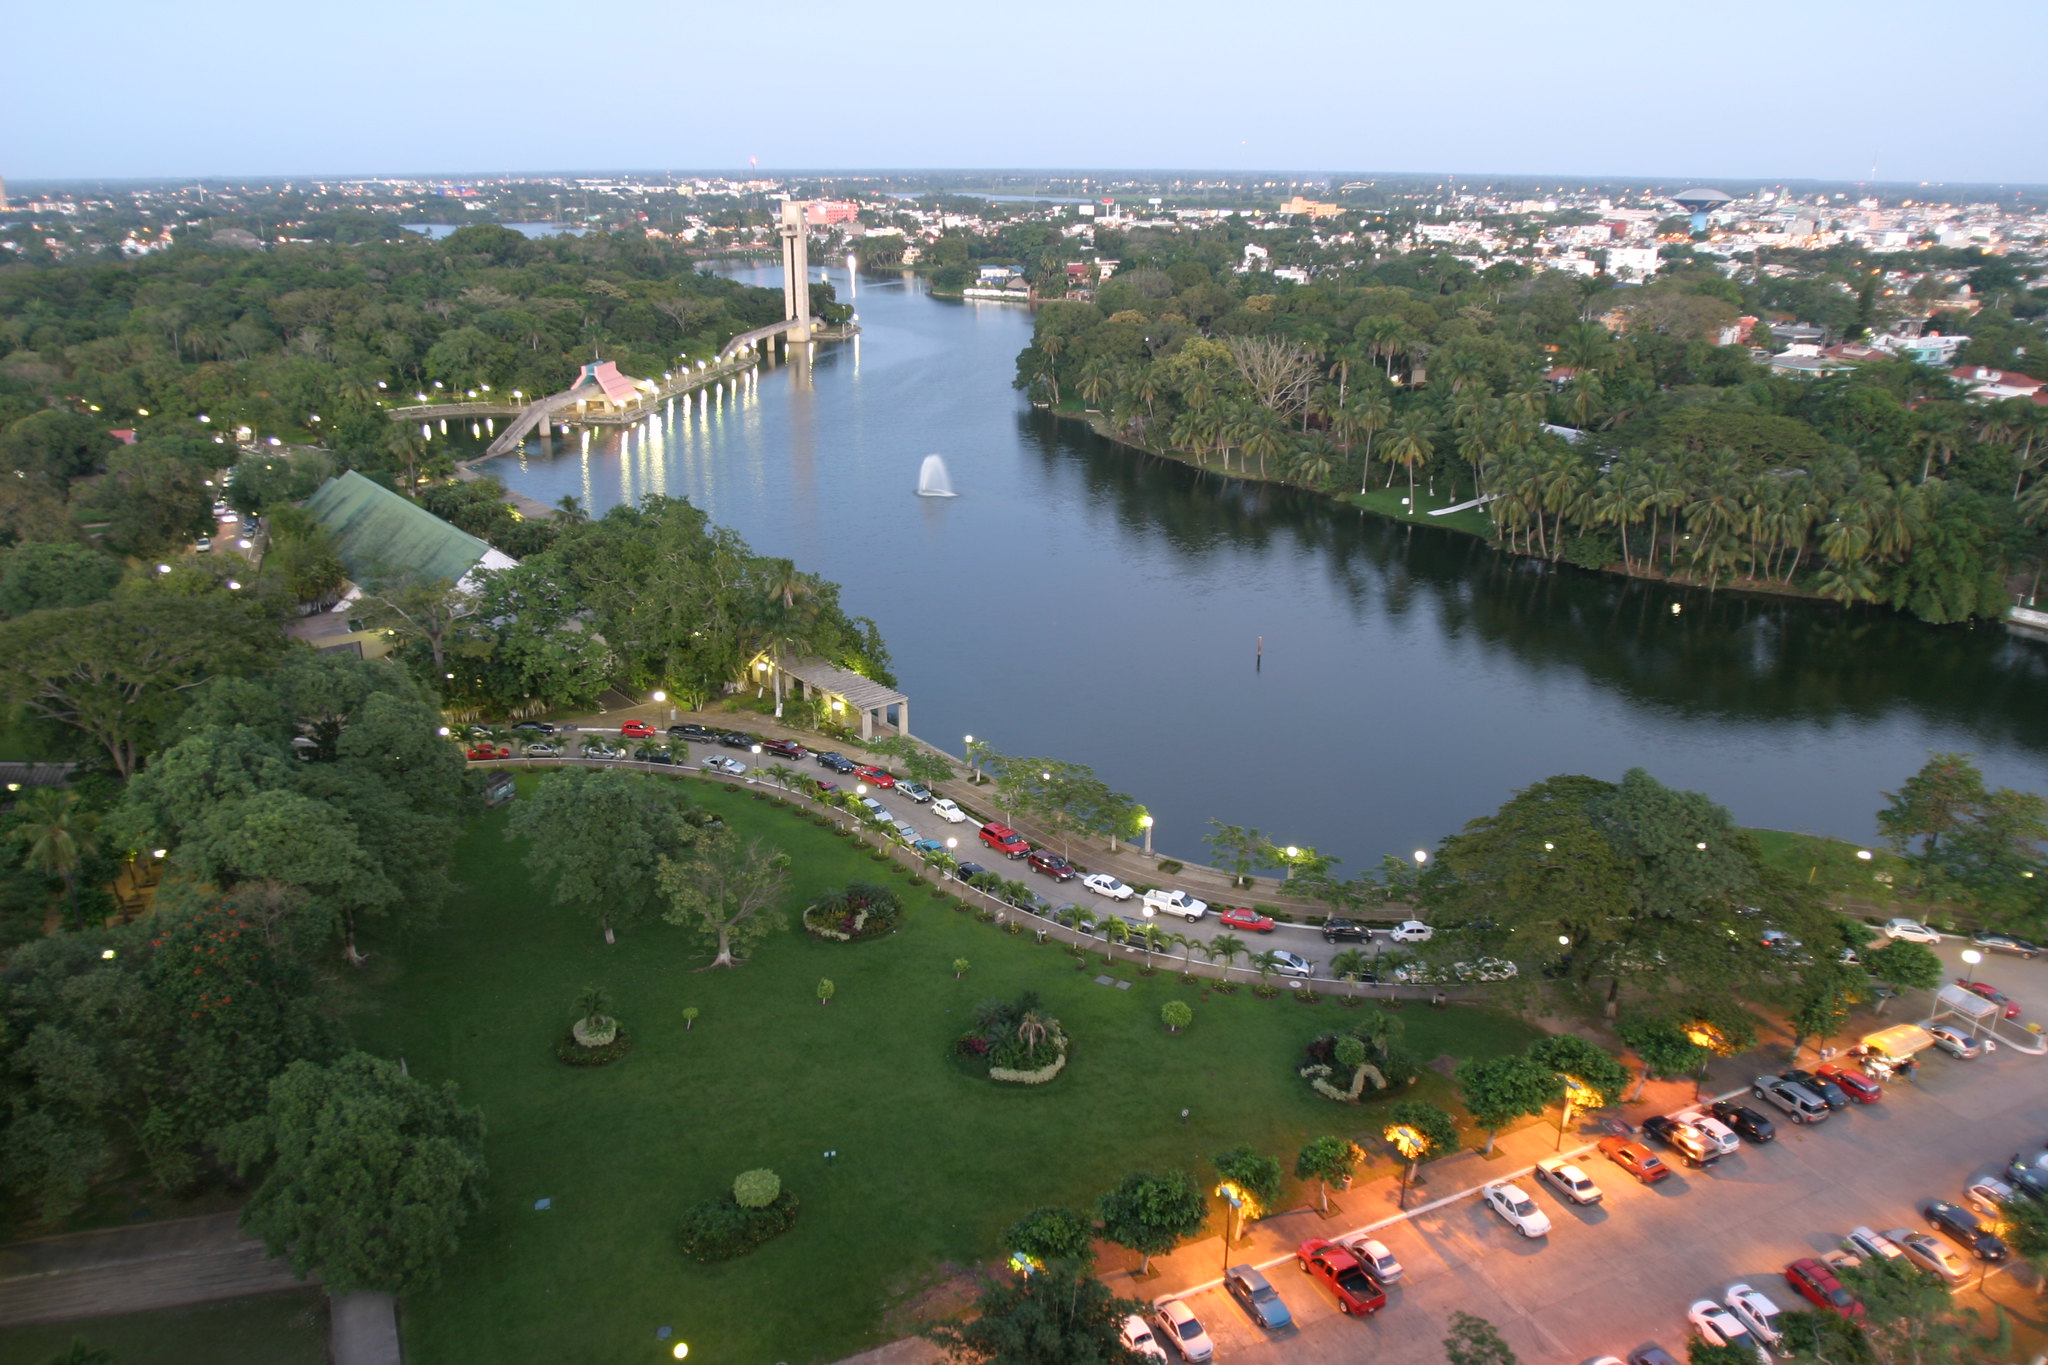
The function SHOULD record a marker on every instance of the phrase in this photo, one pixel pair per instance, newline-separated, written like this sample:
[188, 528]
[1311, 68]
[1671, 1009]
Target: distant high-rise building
[3, 194]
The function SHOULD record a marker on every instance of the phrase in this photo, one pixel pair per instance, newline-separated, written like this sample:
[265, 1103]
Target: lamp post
[1235, 1202]
[1971, 957]
[1145, 823]
[1408, 1143]
[1293, 852]
[659, 698]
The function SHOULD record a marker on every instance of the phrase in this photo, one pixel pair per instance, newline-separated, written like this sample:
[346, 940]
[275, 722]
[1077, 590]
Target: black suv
[838, 763]
[1963, 1229]
[1744, 1120]
[1349, 931]
[738, 739]
[698, 733]
[974, 873]
[534, 727]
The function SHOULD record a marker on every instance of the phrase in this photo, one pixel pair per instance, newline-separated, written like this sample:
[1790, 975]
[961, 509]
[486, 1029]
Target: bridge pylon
[796, 272]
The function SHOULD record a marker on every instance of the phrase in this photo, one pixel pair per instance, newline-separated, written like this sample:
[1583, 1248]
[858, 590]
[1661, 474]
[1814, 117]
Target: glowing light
[1864, 854]
[1407, 1141]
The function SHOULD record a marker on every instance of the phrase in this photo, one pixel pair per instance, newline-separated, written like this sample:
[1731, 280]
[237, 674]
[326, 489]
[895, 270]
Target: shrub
[569, 1050]
[720, 1229]
[756, 1189]
[859, 911]
[1170, 865]
[1176, 1015]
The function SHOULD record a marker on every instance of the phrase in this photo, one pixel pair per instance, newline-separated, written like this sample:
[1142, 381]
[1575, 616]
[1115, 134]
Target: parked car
[1638, 1160]
[533, 727]
[1867, 1245]
[1004, 840]
[1052, 865]
[1173, 901]
[541, 749]
[1567, 1179]
[1516, 1209]
[1411, 931]
[1719, 1327]
[1292, 964]
[823, 785]
[2030, 1176]
[1238, 917]
[946, 810]
[1990, 1196]
[785, 748]
[1652, 1354]
[1712, 1129]
[1920, 1249]
[1257, 1297]
[838, 763]
[1801, 1104]
[973, 873]
[203, 545]
[692, 732]
[916, 791]
[1911, 930]
[1338, 1271]
[1693, 1147]
[2000, 942]
[1756, 1312]
[1138, 1338]
[479, 753]
[719, 763]
[738, 739]
[1343, 930]
[1814, 1280]
[1833, 1094]
[875, 777]
[1183, 1330]
[654, 753]
[927, 847]
[1753, 1126]
[1373, 1255]
[598, 749]
[636, 729]
[1955, 1042]
[1962, 1228]
[1993, 994]
[1102, 884]
[1851, 1082]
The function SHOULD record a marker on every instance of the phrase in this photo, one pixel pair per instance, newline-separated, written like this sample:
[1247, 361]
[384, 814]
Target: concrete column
[796, 270]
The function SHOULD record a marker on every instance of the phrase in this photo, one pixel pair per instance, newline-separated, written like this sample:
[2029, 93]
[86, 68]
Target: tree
[1176, 1015]
[596, 837]
[1828, 991]
[1051, 1236]
[1908, 1315]
[1906, 967]
[371, 1174]
[1591, 1067]
[726, 889]
[1151, 1214]
[1474, 1341]
[1932, 804]
[55, 574]
[1663, 1047]
[1229, 947]
[1499, 1090]
[415, 608]
[1239, 848]
[1325, 1159]
[1062, 1316]
[1700, 1351]
[57, 837]
[1420, 1131]
[1256, 1175]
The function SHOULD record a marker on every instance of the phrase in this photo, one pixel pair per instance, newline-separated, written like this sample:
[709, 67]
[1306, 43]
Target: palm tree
[1267, 436]
[1114, 931]
[1152, 938]
[1371, 413]
[571, 510]
[1098, 380]
[1411, 446]
[1268, 963]
[1351, 965]
[59, 836]
[1229, 947]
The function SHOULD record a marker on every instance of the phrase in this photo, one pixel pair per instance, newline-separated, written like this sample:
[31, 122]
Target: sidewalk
[134, 1269]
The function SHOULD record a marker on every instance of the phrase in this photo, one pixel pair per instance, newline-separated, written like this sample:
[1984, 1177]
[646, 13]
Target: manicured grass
[1832, 866]
[1473, 521]
[272, 1329]
[932, 1162]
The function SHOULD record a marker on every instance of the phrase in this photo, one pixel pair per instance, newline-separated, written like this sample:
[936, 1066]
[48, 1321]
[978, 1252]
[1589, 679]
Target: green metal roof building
[381, 535]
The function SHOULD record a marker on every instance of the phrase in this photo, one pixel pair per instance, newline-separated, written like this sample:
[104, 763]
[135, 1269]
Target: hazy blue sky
[1787, 88]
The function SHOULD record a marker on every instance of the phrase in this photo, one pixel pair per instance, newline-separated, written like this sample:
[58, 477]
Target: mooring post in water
[1259, 658]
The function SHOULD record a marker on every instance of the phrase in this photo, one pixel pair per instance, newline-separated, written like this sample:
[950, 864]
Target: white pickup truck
[1176, 903]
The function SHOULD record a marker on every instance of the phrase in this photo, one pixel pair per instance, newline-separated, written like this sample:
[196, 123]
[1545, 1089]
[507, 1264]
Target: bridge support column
[796, 272]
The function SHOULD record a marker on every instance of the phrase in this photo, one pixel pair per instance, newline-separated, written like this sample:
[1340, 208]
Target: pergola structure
[843, 689]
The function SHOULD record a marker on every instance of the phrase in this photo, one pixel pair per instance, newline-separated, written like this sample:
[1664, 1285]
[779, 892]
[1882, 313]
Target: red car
[1854, 1083]
[1238, 917]
[637, 729]
[1052, 865]
[875, 777]
[1815, 1281]
[1638, 1160]
[1003, 839]
[786, 748]
[1338, 1271]
[483, 751]
[1993, 994]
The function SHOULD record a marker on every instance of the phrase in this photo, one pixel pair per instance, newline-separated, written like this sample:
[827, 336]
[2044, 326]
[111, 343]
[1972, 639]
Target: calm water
[1082, 602]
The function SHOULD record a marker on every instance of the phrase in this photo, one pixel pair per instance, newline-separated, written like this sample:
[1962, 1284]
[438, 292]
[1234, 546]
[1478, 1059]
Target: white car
[1517, 1210]
[1757, 1313]
[1175, 902]
[1911, 930]
[947, 811]
[719, 763]
[1102, 884]
[1720, 1134]
[203, 544]
[1138, 1337]
[1871, 1246]
[1410, 931]
[1568, 1180]
[1719, 1327]
[1179, 1325]
[1372, 1254]
[1988, 1195]
[1291, 964]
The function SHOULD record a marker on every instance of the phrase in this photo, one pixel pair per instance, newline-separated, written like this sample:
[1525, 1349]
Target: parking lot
[1612, 1277]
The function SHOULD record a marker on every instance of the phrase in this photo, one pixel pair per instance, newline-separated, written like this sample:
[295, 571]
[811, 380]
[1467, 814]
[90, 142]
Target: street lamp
[1411, 1144]
[1971, 957]
[1145, 823]
[972, 767]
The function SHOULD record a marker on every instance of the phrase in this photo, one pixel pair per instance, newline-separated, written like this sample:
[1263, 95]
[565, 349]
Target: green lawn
[1473, 521]
[273, 1329]
[1832, 865]
[932, 1162]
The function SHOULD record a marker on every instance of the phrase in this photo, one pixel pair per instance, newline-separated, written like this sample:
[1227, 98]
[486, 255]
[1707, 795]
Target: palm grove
[1686, 458]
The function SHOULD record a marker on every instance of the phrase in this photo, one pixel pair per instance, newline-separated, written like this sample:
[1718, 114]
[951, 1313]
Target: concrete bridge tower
[796, 271]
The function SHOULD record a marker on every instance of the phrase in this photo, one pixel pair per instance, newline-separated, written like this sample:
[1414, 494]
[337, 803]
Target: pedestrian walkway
[135, 1269]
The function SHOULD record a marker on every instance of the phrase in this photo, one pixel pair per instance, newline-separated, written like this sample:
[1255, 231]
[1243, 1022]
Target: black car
[2006, 943]
[1836, 1097]
[654, 753]
[1349, 931]
[534, 727]
[1693, 1147]
[1744, 1120]
[973, 873]
[838, 763]
[1965, 1231]
[738, 739]
[699, 733]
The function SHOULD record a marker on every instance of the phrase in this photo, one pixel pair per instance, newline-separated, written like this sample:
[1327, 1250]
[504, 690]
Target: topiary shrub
[1170, 865]
[722, 1228]
[1176, 1015]
[756, 1189]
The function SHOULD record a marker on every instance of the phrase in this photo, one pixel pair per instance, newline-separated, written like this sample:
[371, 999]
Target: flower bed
[859, 912]
[575, 1053]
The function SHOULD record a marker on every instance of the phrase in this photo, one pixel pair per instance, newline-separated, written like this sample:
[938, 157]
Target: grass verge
[271, 1329]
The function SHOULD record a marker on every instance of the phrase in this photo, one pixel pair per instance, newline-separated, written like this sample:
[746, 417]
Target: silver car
[1955, 1042]
[1922, 1250]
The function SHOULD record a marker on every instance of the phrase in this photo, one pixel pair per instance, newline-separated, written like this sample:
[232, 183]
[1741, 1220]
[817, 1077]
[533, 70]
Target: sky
[1817, 89]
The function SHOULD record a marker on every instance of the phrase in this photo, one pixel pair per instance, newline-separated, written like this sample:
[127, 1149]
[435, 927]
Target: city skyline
[1764, 93]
